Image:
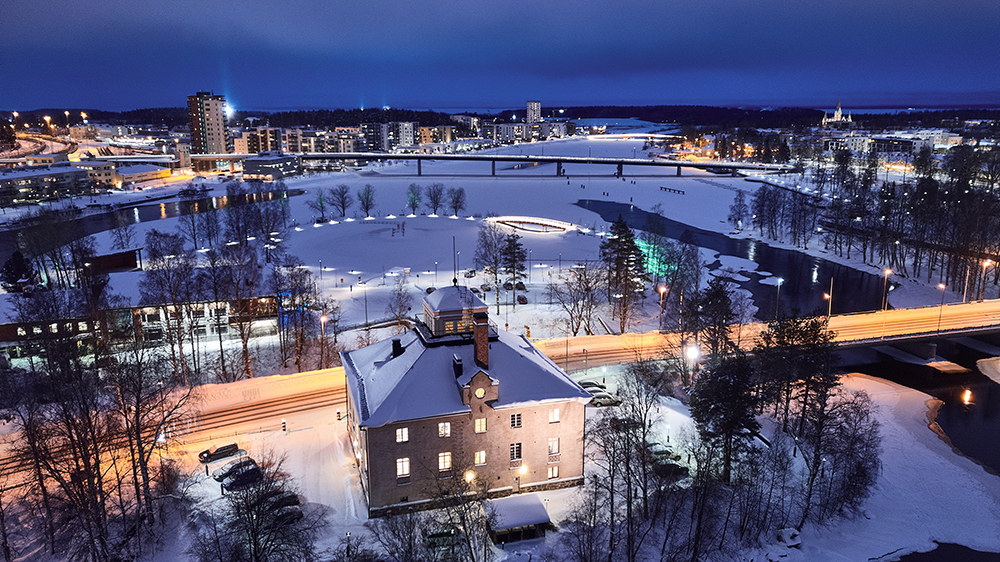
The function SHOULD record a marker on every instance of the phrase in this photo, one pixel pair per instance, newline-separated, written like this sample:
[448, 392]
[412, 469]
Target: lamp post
[529, 265]
[435, 273]
[885, 300]
[941, 310]
[15, 122]
[48, 123]
[885, 289]
[777, 297]
[67, 120]
[829, 299]
[322, 340]
[662, 290]
[986, 264]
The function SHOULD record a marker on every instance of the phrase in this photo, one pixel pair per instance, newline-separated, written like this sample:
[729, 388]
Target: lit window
[515, 451]
[480, 457]
[554, 415]
[444, 429]
[554, 471]
[480, 425]
[403, 467]
[444, 461]
[515, 420]
[21, 331]
[553, 445]
[402, 435]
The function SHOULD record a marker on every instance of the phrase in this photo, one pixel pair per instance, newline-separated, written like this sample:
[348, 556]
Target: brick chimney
[481, 339]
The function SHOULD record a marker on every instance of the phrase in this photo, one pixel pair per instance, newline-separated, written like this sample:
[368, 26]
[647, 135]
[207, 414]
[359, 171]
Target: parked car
[508, 286]
[521, 299]
[605, 399]
[231, 467]
[282, 499]
[520, 286]
[242, 477]
[470, 273]
[476, 291]
[588, 385]
[288, 515]
[430, 290]
[486, 287]
[218, 452]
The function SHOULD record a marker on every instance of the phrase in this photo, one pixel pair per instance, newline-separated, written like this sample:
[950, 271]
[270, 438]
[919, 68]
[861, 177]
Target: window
[515, 451]
[444, 429]
[515, 420]
[553, 445]
[444, 461]
[480, 457]
[554, 471]
[480, 425]
[554, 415]
[403, 467]
[402, 435]
[21, 331]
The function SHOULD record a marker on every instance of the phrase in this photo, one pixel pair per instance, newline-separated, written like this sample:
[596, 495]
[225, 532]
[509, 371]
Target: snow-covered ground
[927, 491]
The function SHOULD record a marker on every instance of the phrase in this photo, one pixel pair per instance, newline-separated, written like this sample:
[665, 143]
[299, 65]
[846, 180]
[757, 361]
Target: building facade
[271, 165]
[458, 398]
[534, 114]
[209, 135]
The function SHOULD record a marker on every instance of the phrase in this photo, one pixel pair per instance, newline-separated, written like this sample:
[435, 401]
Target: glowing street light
[986, 264]
[67, 119]
[322, 340]
[662, 290]
[885, 289]
[47, 122]
[829, 298]
[941, 310]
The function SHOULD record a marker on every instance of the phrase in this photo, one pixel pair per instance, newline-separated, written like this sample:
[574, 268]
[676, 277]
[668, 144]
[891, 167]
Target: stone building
[456, 397]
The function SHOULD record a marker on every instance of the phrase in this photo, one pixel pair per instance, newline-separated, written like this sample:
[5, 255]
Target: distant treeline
[716, 118]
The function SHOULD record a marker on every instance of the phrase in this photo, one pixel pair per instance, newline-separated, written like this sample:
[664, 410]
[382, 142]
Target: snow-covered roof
[455, 298]
[520, 510]
[420, 382]
[139, 169]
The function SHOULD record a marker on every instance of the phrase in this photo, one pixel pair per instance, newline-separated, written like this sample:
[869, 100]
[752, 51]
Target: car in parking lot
[231, 467]
[508, 286]
[593, 385]
[604, 399]
[520, 286]
[476, 291]
[242, 477]
[521, 299]
[288, 515]
[277, 499]
[218, 452]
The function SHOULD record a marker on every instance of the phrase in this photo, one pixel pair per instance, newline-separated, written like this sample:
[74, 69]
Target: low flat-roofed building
[45, 159]
[33, 183]
[100, 172]
[136, 173]
[271, 165]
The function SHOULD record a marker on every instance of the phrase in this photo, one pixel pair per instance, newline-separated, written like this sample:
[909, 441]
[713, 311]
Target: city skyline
[451, 55]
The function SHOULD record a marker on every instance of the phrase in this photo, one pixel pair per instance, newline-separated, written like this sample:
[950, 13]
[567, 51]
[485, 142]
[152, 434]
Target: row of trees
[942, 219]
[820, 461]
[435, 197]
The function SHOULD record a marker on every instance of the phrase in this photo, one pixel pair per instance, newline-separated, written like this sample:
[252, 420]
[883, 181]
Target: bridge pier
[420, 170]
[494, 163]
[619, 173]
[559, 169]
[678, 170]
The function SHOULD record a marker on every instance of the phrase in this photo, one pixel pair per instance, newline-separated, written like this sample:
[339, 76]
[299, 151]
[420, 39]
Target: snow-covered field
[927, 491]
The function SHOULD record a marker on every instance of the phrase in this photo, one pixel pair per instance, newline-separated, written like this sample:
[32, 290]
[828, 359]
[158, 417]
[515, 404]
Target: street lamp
[777, 297]
[986, 264]
[47, 124]
[885, 289]
[529, 266]
[662, 290]
[67, 120]
[322, 340]
[829, 298]
[941, 310]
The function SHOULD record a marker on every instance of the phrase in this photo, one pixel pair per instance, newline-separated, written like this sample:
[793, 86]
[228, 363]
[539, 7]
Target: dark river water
[805, 277]
[95, 222]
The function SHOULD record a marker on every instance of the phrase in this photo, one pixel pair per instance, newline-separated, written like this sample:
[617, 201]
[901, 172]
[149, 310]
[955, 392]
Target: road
[327, 389]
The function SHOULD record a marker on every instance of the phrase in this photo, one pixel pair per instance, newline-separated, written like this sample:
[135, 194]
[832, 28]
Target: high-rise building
[208, 123]
[534, 112]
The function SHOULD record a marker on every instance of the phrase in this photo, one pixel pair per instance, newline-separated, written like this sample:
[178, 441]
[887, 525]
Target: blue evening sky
[444, 54]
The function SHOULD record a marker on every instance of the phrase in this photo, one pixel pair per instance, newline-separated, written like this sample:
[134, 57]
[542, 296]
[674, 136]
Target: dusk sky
[453, 54]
